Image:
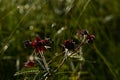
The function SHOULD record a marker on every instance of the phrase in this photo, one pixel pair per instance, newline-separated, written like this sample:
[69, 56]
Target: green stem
[64, 59]
[44, 61]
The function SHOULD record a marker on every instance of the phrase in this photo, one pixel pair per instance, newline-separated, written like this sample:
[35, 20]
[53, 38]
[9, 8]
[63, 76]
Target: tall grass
[21, 20]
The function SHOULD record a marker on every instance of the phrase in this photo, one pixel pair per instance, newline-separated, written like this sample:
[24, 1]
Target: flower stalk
[44, 61]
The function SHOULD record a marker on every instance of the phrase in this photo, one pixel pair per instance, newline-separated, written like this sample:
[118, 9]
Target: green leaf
[39, 75]
[27, 71]
[77, 56]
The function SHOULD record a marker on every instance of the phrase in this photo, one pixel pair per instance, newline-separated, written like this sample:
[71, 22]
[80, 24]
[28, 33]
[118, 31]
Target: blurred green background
[24, 19]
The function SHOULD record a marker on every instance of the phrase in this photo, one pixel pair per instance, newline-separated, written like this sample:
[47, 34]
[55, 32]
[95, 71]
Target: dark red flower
[39, 45]
[29, 64]
[90, 38]
[69, 44]
[82, 32]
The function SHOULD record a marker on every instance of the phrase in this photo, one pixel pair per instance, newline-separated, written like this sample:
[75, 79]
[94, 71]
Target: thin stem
[53, 58]
[108, 64]
[40, 62]
[83, 10]
[72, 65]
[80, 70]
[46, 78]
[47, 75]
[44, 60]
[64, 59]
[36, 76]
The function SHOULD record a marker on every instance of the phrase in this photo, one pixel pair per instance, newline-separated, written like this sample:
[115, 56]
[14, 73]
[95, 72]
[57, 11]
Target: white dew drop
[31, 27]
[61, 30]
[31, 58]
[53, 25]
[26, 6]
[108, 18]
[21, 9]
[47, 47]
[5, 47]
[18, 64]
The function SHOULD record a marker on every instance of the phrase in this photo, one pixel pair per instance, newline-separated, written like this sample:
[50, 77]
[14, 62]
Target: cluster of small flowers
[83, 36]
[39, 44]
[89, 38]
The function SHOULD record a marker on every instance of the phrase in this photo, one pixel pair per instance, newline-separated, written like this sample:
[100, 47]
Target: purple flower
[39, 45]
[69, 44]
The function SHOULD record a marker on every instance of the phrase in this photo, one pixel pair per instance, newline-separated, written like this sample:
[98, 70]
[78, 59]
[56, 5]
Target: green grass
[21, 20]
